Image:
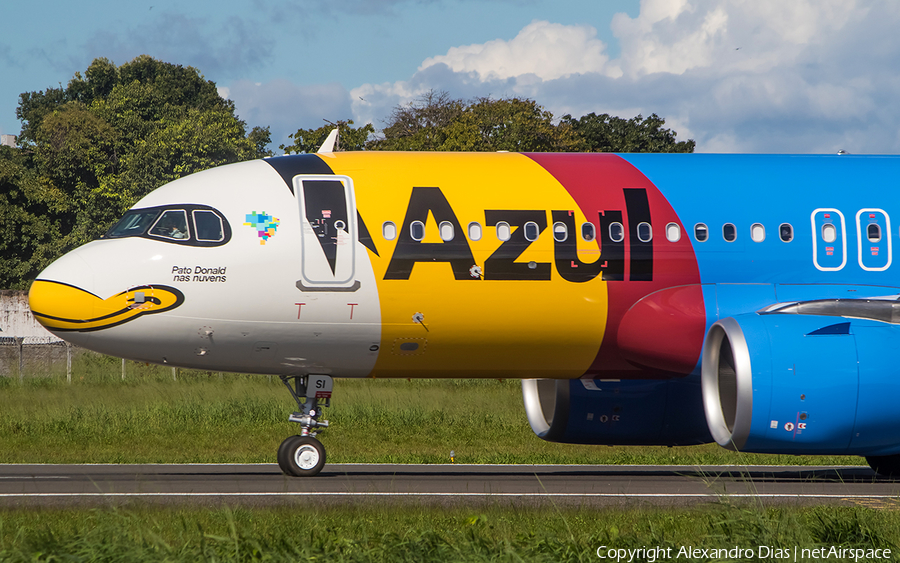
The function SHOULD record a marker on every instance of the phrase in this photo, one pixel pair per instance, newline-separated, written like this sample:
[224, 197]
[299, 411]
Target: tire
[301, 456]
[283, 453]
[885, 465]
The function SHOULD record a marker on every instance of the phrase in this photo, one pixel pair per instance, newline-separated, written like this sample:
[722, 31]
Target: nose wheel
[301, 456]
[304, 455]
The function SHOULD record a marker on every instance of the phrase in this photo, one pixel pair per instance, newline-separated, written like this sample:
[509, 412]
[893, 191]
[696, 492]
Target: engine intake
[802, 384]
[641, 412]
[727, 384]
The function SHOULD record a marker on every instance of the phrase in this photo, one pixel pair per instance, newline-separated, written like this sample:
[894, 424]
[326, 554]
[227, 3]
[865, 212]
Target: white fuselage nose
[231, 305]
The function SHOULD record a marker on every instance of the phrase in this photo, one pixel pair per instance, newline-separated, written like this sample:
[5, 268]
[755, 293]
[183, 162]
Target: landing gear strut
[303, 455]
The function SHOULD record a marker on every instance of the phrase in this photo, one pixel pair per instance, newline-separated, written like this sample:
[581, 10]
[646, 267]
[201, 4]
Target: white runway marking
[507, 495]
[34, 477]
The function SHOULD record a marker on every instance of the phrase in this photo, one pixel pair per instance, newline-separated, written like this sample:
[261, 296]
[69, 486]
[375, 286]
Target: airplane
[667, 299]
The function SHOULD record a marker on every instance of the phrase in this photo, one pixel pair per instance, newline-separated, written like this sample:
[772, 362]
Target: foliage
[90, 150]
[27, 227]
[420, 125]
[349, 139]
[436, 122]
[606, 133]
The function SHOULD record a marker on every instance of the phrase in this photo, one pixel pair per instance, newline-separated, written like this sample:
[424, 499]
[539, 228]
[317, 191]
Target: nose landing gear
[303, 455]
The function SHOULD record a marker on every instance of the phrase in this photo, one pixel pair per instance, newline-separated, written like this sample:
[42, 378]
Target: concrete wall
[25, 346]
[16, 320]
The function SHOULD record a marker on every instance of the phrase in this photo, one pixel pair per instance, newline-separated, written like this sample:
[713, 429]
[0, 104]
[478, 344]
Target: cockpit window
[134, 223]
[186, 224]
[208, 226]
[172, 224]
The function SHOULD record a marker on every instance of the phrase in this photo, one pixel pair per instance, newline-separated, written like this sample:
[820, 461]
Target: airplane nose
[63, 299]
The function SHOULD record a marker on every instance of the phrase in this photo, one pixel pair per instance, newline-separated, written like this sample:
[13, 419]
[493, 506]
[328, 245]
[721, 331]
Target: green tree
[260, 138]
[90, 150]
[420, 125]
[606, 133]
[74, 153]
[183, 144]
[437, 122]
[512, 124]
[27, 229]
[350, 138]
[32, 108]
[74, 148]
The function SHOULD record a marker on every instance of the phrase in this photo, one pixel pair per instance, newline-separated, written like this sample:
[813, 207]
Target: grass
[205, 417]
[419, 534]
[211, 418]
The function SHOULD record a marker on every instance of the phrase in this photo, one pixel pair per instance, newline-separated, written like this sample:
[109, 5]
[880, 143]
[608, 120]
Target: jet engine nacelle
[802, 384]
[641, 412]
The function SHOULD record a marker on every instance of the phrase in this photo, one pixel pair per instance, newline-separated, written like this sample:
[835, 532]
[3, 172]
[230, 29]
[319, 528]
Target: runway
[594, 485]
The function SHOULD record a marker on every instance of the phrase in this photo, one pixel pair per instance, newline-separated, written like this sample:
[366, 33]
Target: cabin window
[673, 232]
[729, 232]
[616, 232]
[503, 231]
[446, 229]
[644, 232]
[208, 226]
[389, 230]
[474, 231]
[531, 231]
[171, 224]
[829, 233]
[873, 232]
[786, 232]
[757, 232]
[560, 231]
[588, 233]
[701, 232]
[417, 230]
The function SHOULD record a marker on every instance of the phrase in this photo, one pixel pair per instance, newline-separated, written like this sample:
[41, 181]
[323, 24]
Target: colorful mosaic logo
[265, 225]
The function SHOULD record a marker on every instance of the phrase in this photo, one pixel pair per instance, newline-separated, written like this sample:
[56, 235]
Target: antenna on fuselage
[331, 142]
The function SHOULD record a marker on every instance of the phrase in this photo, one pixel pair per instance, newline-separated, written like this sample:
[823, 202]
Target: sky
[758, 76]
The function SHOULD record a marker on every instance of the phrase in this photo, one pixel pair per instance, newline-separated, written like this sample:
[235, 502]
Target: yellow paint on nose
[63, 307]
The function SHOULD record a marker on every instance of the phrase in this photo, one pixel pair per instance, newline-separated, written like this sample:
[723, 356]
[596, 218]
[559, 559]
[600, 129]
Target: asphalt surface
[595, 485]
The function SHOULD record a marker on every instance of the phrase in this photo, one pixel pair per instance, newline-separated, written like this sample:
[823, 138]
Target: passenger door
[329, 233]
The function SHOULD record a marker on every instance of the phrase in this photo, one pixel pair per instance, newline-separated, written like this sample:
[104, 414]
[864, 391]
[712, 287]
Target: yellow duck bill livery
[83, 311]
[642, 299]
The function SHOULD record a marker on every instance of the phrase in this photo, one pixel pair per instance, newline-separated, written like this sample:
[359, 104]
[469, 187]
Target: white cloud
[767, 75]
[546, 50]
[728, 35]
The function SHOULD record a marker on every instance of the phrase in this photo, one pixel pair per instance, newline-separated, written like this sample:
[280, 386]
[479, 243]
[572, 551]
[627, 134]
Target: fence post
[174, 374]
[123, 369]
[68, 363]
[19, 341]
